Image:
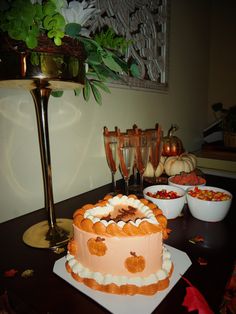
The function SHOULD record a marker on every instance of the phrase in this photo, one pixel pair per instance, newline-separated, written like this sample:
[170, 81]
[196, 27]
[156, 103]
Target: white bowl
[171, 208]
[183, 186]
[210, 211]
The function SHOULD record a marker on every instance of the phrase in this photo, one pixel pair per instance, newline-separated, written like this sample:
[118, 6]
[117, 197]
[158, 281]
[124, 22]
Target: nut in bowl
[208, 203]
[169, 199]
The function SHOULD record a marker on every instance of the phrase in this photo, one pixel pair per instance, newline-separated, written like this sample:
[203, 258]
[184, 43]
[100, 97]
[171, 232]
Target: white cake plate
[137, 304]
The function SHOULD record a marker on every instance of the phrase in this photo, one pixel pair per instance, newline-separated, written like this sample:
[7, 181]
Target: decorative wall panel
[146, 24]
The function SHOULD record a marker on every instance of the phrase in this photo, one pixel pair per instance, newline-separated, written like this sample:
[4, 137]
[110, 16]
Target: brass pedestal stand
[52, 72]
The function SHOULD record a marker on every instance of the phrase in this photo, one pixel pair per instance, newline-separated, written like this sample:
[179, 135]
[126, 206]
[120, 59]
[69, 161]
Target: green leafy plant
[26, 20]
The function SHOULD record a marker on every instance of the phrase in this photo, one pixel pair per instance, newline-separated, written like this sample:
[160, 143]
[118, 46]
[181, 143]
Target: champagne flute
[126, 153]
[135, 185]
[111, 149]
[155, 136]
[142, 150]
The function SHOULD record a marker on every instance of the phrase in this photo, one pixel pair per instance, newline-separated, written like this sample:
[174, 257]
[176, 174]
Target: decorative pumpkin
[172, 145]
[177, 164]
[134, 263]
[192, 157]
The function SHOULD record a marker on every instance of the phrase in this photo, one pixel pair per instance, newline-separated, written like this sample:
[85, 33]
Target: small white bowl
[210, 211]
[183, 186]
[171, 208]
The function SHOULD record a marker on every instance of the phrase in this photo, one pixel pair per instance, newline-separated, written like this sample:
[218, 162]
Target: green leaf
[28, 14]
[57, 41]
[72, 29]
[94, 58]
[96, 94]
[109, 39]
[77, 91]
[31, 42]
[34, 31]
[105, 73]
[59, 19]
[86, 90]
[111, 64]
[102, 86]
[121, 63]
[16, 34]
[134, 69]
[46, 22]
[34, 58]
[52, 33]
[57, 93]
[48, 8]
[38, 11]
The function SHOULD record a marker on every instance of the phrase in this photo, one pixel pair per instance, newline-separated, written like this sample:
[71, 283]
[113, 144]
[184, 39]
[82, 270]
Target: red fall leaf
[194, 300]
[10, 273]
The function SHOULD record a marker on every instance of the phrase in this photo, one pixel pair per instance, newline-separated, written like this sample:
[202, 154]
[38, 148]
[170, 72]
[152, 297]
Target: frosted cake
[117, 246]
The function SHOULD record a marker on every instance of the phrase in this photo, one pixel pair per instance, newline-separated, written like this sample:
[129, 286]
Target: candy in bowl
[169, 199]
[208, 203]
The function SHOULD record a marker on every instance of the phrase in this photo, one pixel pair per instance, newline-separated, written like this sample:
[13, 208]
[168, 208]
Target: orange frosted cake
[117, 246]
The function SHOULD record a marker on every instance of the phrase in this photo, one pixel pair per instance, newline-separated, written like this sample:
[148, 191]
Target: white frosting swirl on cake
[95, 213]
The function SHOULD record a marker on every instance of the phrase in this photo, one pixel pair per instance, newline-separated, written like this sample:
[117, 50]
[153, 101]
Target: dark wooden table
[45, 292]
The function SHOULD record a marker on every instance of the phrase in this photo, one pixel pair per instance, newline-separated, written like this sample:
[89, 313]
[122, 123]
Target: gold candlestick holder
[40, 73]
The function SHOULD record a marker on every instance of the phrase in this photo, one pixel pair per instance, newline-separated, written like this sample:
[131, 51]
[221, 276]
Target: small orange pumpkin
[172, 145]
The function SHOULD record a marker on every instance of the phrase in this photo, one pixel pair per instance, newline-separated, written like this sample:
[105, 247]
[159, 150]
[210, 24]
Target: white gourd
[160, 169]
[177, 164]
[163, 159]
[149, 171]
[192, 157]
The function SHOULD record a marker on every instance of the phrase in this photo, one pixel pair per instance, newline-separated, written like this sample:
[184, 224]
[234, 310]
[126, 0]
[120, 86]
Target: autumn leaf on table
[27, 273]
[194, 300]
[10, 273]
[197, 239]
[202, 261]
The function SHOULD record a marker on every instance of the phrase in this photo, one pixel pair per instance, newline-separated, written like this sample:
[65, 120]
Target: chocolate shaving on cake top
[123, 214]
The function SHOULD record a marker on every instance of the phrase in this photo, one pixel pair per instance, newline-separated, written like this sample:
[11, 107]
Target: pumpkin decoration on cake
[120, 260]
[97, 246]
[135, 263]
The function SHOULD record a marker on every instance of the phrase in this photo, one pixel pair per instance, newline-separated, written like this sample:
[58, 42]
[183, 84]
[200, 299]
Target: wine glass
[142, 151]
[155, 137]
[111, 149]
[135, 186]
[126, 152]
